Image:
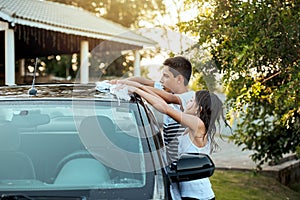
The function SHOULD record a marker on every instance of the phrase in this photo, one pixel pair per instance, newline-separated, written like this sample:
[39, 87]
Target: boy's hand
[130, 83]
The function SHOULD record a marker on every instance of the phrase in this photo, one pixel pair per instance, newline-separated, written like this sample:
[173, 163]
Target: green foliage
[58, 67]
[256, 46]
[110, 65]
[205, 71]
[298, 151]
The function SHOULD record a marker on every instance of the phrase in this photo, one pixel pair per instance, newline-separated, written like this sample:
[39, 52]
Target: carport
[33, 28]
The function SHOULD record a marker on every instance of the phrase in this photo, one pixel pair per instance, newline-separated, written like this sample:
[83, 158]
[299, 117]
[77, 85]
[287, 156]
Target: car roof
[56, 91]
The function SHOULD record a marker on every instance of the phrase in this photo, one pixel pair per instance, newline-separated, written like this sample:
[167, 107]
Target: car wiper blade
[15, 197]
[26, 197]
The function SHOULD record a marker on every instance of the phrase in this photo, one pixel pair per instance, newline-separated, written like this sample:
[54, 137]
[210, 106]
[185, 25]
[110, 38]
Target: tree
[256, 46]
[124, 12]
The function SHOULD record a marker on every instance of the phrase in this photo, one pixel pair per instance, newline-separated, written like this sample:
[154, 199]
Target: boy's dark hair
[179, 65]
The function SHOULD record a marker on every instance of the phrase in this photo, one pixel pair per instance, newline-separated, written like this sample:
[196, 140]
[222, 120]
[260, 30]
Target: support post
[22, 67]
[84, 62]
[137, 63]
[9, 57]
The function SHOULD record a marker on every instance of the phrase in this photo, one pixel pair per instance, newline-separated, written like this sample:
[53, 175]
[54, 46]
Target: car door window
[50, 135]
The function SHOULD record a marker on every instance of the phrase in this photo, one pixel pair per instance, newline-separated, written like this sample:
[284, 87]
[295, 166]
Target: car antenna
[33, 91]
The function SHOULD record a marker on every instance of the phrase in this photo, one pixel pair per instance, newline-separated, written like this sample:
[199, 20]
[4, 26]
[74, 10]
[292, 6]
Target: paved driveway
[230, 156]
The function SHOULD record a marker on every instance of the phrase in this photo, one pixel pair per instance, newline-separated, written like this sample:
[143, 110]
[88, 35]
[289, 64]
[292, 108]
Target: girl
[200, 117]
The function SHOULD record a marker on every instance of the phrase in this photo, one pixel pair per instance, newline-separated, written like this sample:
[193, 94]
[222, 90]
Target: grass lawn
[237, 185]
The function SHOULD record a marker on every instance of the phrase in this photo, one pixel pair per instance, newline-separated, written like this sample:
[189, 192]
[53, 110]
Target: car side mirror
[191, 166]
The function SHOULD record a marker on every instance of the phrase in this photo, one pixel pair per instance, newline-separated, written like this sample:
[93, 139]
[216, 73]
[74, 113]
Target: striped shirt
[172, 129]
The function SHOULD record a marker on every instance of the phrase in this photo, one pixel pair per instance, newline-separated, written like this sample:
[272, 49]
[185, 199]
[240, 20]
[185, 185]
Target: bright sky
[168, 39]
[170, 19]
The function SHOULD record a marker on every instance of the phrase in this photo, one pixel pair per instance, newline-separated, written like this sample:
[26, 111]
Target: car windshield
[70, 144]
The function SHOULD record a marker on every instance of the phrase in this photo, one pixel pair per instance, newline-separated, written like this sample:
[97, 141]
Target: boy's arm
[167, 96]
[138, 85]
[146, 84]
[142, 80]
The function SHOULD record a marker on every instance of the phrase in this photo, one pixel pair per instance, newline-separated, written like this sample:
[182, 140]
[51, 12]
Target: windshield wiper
[15, 197]
[19, 196]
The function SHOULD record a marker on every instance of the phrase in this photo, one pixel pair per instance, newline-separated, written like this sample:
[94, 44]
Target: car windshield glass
[67, 144]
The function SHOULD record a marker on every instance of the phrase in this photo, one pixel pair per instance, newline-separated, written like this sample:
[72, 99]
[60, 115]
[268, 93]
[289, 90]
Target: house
[36, 28]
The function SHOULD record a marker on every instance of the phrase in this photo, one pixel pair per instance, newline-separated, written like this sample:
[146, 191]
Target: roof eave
[70, 30]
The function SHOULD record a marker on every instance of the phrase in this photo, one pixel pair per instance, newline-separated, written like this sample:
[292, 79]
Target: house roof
[67, 19]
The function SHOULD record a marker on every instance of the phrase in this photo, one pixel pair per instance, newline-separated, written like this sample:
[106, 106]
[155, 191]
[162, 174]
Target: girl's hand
[113, 82]
[119, 87]
[131, 89]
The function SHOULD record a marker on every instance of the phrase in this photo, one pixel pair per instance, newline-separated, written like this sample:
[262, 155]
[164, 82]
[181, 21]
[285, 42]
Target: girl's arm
[156, 101]
[192, 122]
[168, 97]
[138, 80]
